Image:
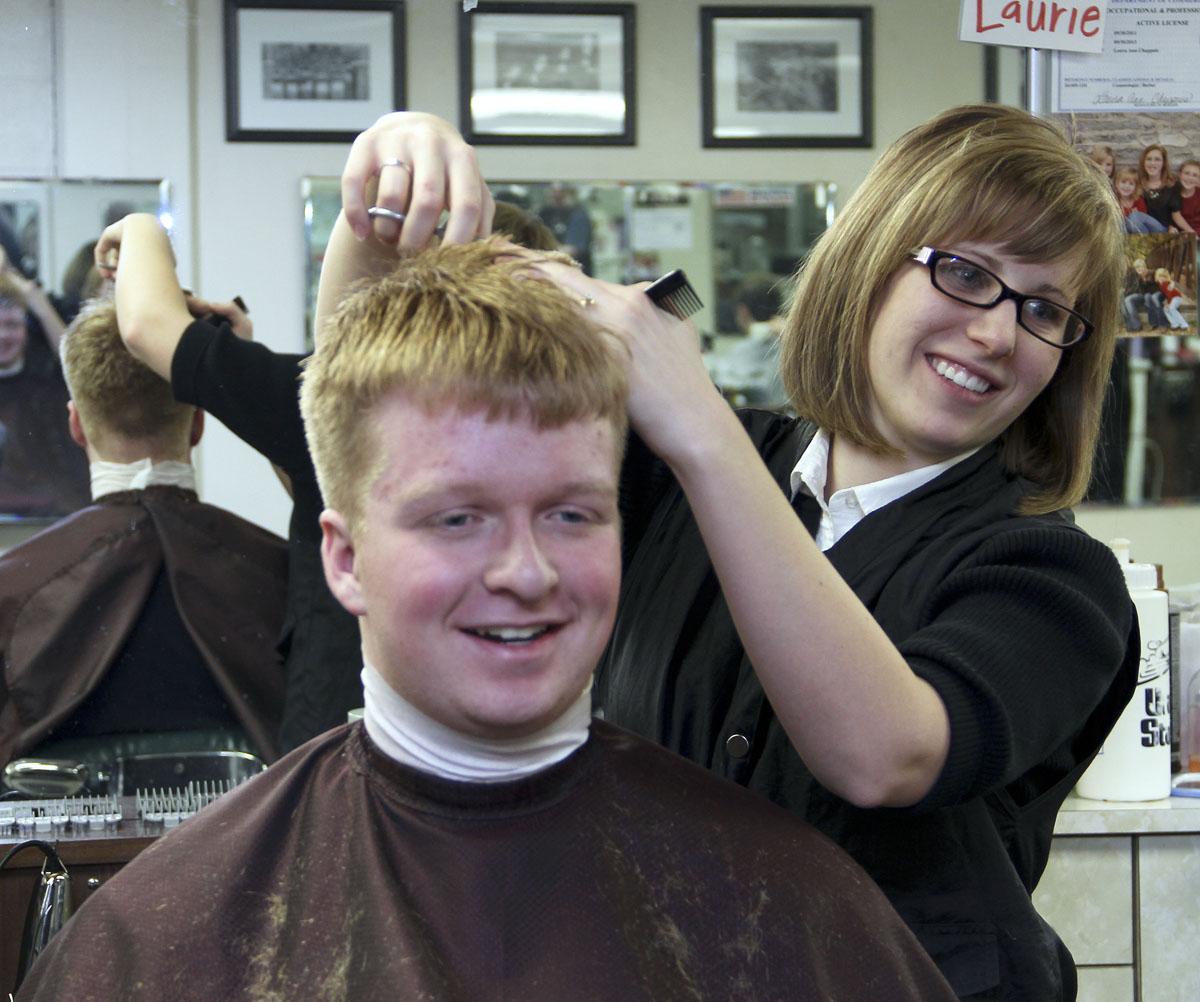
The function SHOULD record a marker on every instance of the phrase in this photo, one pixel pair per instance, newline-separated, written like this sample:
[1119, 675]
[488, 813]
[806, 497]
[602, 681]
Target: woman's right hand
[108, 248]
[416, 165]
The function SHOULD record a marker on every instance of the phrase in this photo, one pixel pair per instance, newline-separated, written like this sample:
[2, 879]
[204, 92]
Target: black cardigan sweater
[1023, 626]
[255, 392]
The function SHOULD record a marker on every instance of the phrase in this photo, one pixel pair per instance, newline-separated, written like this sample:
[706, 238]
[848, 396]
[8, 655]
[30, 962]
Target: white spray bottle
[1135, 761]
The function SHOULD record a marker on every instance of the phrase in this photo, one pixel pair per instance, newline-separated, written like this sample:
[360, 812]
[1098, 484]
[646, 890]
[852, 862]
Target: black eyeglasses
[971, 283]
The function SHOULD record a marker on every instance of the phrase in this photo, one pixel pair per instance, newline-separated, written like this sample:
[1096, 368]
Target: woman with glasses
[924, 661]
[880, 615]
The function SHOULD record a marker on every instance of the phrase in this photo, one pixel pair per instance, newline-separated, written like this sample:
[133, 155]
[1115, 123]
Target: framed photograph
[786, 76]
[312, 72]
[540, 74]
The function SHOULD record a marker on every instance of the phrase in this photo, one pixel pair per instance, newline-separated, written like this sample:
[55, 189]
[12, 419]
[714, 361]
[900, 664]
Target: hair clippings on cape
[674, 293]
[379, 212]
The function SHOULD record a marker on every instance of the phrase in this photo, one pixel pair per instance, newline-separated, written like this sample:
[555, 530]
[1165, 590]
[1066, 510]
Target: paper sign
[1035, 24]
[667, 228]
[1148, 64]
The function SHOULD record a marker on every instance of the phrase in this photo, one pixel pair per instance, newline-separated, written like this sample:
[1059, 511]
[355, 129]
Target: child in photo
[1102, 157]
[1133, 205]
[1172, 299]
[1189, 193]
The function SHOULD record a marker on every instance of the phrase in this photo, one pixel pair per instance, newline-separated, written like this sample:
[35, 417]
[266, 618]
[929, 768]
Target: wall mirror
[47, 228]
[727, 236]
[730, 235]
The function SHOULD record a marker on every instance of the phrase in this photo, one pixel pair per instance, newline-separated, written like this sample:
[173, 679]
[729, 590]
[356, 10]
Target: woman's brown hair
[985, 173]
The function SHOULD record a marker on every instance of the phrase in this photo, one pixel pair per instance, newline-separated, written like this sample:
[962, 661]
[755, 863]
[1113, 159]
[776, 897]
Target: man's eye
[576, 515]
[455, 520]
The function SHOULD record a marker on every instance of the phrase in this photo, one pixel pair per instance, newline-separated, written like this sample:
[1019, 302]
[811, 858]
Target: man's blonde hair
[459, 325]
[114, 393]
[984, 173]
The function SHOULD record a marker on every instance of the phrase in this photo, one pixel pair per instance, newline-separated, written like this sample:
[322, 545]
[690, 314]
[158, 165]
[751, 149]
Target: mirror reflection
[738, 242]
[47, 231]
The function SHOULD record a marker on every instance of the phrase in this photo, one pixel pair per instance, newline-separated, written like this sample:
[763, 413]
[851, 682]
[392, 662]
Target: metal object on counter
[138, 772]
[36, 777]
[81, 813]
[51, 778]
[171, 805]
[49, 907]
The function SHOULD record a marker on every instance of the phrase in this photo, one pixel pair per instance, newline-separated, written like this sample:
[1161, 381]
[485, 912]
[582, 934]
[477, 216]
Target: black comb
[674, 293]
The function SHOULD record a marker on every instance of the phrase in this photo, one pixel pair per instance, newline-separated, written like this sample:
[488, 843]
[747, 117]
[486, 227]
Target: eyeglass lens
[972, 284]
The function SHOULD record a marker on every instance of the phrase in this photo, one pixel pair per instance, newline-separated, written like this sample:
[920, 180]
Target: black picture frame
[779, 77]
[357, 71]
[515, 89]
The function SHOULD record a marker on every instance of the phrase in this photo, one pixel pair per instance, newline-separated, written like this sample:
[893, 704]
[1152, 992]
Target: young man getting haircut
[479, 836]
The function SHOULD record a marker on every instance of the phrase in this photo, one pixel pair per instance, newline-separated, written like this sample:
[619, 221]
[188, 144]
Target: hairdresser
[881, 615]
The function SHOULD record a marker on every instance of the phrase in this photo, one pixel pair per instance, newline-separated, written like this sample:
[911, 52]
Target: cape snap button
[737, 746]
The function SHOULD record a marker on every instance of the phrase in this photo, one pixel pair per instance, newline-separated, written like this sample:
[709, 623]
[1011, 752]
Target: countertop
[1172, 815]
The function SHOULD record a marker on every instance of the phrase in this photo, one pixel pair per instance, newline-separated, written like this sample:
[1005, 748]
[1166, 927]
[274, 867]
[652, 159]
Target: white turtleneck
[109, 478]
[413, 738]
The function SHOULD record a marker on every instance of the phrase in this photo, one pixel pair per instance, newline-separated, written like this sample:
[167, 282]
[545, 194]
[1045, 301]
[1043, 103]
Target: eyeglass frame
[929, 256]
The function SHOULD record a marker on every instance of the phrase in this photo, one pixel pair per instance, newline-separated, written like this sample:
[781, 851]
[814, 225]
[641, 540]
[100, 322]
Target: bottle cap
[1137, 576]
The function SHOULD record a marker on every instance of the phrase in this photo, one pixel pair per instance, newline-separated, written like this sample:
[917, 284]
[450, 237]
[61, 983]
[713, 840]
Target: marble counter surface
[1173, 815]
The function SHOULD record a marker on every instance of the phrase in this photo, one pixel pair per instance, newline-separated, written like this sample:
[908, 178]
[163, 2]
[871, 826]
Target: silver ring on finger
[586, 301]
[379, 212]
[396, 162]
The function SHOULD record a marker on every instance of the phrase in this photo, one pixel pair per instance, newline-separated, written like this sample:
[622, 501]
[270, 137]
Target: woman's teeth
[960, 377]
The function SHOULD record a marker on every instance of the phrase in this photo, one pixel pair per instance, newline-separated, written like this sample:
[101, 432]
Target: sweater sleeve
[1032, 644]
[249, 388]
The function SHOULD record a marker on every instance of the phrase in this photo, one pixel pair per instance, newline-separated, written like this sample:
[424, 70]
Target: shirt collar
[811, 473]
[404, 733]
[109, 478]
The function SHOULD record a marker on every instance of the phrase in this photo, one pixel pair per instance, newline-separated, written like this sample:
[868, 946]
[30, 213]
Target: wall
[250, 239]
[1161, 534]
[142, 95]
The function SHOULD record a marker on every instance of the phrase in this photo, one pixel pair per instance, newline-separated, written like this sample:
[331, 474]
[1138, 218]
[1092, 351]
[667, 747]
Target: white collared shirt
[849, 506]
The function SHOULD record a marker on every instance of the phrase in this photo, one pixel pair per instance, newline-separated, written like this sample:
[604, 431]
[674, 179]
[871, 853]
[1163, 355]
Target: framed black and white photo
[786, 76]
[547, 74]
[309, 71]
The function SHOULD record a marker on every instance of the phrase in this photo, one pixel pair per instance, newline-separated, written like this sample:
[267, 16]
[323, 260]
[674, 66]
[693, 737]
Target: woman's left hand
[670, 391]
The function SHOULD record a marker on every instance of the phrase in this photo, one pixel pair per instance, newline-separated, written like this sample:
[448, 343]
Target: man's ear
[77, 433]
[338, 558]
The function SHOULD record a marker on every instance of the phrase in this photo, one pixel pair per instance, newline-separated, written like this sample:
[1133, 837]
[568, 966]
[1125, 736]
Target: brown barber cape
[622, 873]
[70, 595]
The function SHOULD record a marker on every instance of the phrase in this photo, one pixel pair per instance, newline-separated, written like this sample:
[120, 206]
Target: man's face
[487, 564]
[13, 334]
